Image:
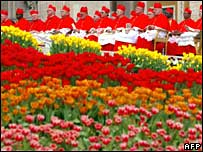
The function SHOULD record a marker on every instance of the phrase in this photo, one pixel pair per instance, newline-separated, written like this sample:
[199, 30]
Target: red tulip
[123, 146]
[105, 130]
[29, 118]
[109, 122]
[167, 138]
[124, 138]
[98, 126]
[40, 117]
[159, 124]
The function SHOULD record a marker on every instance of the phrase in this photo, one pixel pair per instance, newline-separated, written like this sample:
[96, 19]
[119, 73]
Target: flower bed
[63, 44]
[143, 58]
[87, 116]
[25, 39]
[86, 101]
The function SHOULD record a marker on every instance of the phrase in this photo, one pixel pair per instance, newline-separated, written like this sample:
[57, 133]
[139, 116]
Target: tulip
[40, 117]
[123, 145]
[98, 126]
[124, 138]
[105, 112]
[106, 141]
[159, 124]
[111, 103]
[29, 118]
[167, 138]
[74, 143]
[105, 130]
[117, 119]
[109, 122]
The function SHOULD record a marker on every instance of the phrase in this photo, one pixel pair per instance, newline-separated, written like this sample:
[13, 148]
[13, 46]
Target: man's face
[83, 15]
[64, 13]
[168, 15]
[186, 15]
[19, 16]
[3, 17]
[50, 12]
[150, 15]
[96, 18]
[157, 11]
[139, 10]
[34, 17]
[103, 14]
[119, 12]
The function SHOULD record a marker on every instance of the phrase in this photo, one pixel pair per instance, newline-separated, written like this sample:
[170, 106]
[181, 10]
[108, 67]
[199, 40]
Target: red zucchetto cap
[32, 12]
[97, 13]
[84, 9]
[105, 9]
[187, 10]
[169, 10]
[52, 7]
[157, 5]
[150, 10]
[66, 8]
[4, 12]
[19, 11]
[141, 4]
[121, 7]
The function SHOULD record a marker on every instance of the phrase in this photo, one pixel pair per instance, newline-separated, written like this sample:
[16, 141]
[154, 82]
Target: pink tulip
[105, 112]
[106, 141]
[159, 124]
[109, 122]
[12, 126]
[93, 139]
[19, 137]
[29, 118]
[181, 133]
[74, 143]
[111, 103]
[154, 110]
[98, 126]
[105, 130]
[117, 119]
[192, 131]
[192, 106]
[124, 138]
[7, 148]
[131, 134]
[97, 146]
[167, 138]
[40, 117]
[154, 135]
[123, 145]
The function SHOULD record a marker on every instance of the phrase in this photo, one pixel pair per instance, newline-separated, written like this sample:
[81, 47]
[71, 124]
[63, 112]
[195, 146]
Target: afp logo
[192, 146]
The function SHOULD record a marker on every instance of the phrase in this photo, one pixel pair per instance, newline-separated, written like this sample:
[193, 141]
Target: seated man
[160, 22]
[36, 24]
[4, 18]
[22, 23]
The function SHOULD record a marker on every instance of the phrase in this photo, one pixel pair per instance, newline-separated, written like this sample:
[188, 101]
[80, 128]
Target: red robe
[121, 22]
[105, 22]
[7, 22]
[85, 24]
[173, 48]
[66, 22]
[150, 21]
[187, 49]
[160, 21]
[52, 22]
[23, 24]
[189, 22]
[199, 24]
[37, 25]
[96, 23]
[173, 25]
[140, 21]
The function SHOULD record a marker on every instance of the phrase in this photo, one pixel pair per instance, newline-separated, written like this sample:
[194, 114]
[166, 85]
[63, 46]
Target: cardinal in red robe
[36, 24]
[160, 22]
[85, 22]
[141, 19]
[66, 21]
[4, 18]
[22, 23]
[52, 20]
